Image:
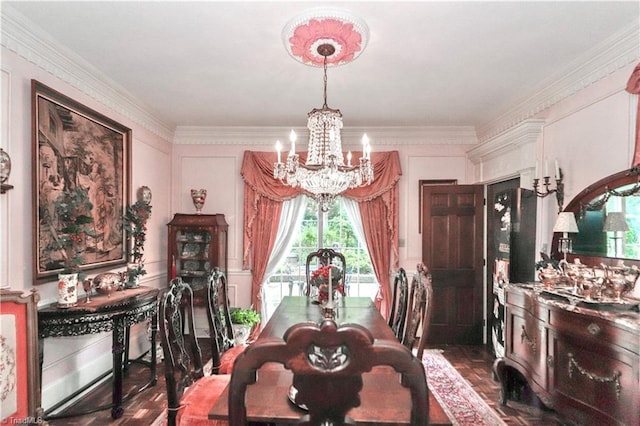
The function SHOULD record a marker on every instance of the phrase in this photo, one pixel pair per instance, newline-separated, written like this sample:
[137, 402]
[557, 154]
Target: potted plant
[243, 320]
[135, 223]
[73, 212]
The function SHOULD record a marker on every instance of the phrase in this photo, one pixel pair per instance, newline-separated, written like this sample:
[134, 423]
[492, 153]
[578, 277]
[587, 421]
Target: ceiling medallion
[346, 33]
[324, 175]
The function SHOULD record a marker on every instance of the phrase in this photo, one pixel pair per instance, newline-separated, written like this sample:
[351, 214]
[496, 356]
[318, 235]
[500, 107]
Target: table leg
[154, 332]
[117, 348]
[125, 359]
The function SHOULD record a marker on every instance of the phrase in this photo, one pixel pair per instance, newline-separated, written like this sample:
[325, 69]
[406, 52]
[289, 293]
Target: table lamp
[615, 222]
[565, 223]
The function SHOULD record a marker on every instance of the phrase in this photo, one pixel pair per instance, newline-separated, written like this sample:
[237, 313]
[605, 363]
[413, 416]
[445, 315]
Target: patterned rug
[456, 396]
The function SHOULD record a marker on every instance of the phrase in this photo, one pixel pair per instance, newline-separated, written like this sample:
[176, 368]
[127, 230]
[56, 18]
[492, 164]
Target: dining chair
[327, 363]
[324, 257]
[190, 394]
[399, 303]
[221, 335]
[420, 309]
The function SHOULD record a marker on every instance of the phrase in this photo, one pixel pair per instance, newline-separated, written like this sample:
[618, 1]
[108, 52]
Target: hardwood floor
[473, 362]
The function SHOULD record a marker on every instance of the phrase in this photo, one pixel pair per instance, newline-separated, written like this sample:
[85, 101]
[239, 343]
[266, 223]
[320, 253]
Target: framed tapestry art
[82, 165]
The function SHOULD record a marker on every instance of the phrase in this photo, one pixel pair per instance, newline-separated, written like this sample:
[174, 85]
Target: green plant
[135, 225]
[73, 211]
[244, 316]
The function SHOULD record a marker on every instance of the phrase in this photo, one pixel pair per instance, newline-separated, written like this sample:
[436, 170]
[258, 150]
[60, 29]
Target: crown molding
[22, 37]
[524, 133]
[28, 41]
[434, 135]
[614, 53]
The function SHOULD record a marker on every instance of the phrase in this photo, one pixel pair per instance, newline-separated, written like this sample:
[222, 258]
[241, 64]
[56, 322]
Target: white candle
[349, 158]
[278, 148]
[365, 144]
[292, 138]
[536, 175]
[557, 170]
[546, 168]
[330, 288]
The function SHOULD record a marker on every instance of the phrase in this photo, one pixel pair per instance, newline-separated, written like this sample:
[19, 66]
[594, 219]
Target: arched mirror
[608, 217]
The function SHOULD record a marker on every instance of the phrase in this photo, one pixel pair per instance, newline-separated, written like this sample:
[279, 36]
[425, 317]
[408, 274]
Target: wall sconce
[5, 171]
[565, 223]
[615, 222]
[546, 183]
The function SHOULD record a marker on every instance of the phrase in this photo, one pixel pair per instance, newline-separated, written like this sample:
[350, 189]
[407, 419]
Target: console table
[115, 313]
[582, 359]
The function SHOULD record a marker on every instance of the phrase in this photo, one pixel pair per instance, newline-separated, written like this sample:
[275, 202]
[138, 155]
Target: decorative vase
[240, 334]
[144, 194]
[67, 290]
[132, 278]
[5, 166]
[198, 196]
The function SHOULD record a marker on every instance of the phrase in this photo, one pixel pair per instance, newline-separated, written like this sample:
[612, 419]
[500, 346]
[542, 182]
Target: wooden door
[452, 249]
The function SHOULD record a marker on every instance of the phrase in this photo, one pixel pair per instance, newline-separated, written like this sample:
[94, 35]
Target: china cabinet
[197, 244]
[582, 359]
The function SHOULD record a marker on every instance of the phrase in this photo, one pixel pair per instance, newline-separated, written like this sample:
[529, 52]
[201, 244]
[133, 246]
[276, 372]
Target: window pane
[337, 233]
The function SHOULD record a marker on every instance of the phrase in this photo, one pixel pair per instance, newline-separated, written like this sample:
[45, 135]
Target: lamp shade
[615, 222]
[566, 222]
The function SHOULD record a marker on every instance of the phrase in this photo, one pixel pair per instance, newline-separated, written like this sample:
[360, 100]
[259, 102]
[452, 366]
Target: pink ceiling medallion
[347, 34]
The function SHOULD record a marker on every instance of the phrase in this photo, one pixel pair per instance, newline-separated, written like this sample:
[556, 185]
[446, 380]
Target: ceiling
[426, 63]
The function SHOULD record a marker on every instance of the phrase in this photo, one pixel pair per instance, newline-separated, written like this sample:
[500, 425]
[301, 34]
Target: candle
[349, 158]
[557, 170]
[546, 168]
[278, 148]
[173, 267]
[330, 288]
[292, 138]
[365, 145]
[536, 175]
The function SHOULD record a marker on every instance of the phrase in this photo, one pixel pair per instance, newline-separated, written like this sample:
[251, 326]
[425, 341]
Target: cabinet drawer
[590, 328]
[594, 377]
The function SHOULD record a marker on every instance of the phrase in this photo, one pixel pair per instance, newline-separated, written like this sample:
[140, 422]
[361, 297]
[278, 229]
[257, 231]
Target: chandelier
[325, 174]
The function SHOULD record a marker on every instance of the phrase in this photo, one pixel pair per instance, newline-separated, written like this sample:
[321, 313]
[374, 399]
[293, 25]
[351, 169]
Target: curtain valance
[378, 205]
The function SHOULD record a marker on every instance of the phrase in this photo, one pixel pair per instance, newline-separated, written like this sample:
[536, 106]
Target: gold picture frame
[77, 150]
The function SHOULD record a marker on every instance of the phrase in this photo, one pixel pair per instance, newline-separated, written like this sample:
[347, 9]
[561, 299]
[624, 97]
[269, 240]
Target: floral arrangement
[73, 211]
[135, 223]
[320, 279]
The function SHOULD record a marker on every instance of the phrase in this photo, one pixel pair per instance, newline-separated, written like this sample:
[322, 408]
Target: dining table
[384, 401]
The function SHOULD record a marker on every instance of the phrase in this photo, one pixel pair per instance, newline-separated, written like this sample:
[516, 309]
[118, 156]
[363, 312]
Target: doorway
[452, 218]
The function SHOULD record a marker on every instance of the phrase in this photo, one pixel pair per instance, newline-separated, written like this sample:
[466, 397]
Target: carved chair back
[324, 257]
[399, 303]
[218, 316]
[420, 308]
[182, 355]
[327, 362]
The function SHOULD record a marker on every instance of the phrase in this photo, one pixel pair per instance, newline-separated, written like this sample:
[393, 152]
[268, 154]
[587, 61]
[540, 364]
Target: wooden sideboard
[581, 359]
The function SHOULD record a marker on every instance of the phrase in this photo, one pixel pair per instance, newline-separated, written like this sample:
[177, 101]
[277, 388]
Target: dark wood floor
[473, 362]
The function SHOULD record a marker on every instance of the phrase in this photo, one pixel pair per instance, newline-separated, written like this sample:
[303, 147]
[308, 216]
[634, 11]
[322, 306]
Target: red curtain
[633, 86]
[378, 209]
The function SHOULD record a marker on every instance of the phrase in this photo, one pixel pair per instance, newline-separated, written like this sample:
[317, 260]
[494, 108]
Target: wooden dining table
[384, 401]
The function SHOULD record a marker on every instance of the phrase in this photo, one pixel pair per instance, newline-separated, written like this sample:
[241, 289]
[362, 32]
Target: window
[336, 231]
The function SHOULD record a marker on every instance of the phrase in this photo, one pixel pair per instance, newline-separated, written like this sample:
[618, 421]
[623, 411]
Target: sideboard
[581, 359]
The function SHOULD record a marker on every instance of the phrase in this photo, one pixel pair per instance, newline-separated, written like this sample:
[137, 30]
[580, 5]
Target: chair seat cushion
[199, 398]
[229, 358]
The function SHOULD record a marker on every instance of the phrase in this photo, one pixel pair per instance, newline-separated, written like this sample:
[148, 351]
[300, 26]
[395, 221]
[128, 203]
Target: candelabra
[546, 190]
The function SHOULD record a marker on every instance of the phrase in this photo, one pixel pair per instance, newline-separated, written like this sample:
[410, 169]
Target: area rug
[456, 396]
